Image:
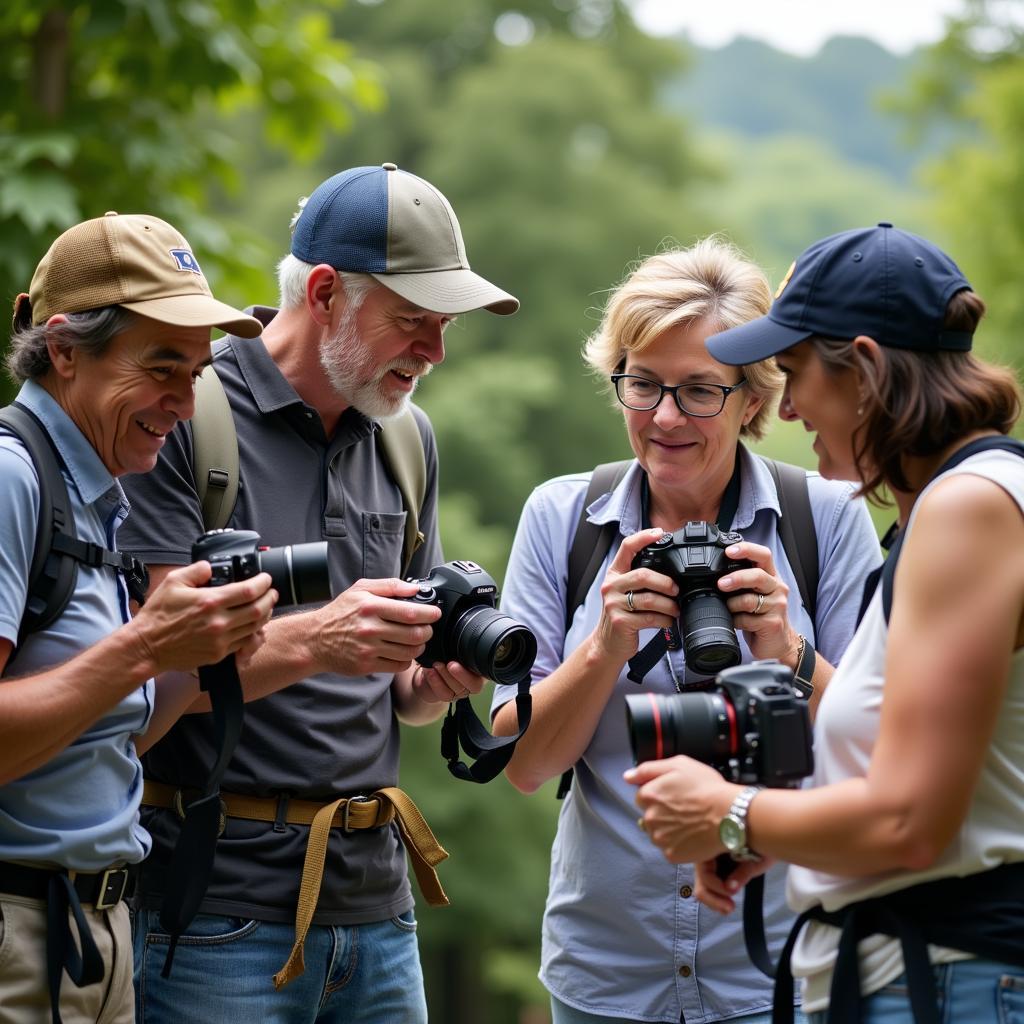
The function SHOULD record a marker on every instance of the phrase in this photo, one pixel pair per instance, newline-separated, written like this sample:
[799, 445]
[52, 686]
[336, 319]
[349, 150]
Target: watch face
[732, 834]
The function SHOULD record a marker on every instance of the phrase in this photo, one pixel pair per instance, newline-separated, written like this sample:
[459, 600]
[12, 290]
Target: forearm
[567, 707]
[42, 714]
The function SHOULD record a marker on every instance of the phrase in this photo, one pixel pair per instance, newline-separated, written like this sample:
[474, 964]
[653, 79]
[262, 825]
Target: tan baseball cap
[130, 260]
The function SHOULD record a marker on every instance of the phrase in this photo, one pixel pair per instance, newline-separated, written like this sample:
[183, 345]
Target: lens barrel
[299, 572]
[493, 644]
[710, 643]
[700, 725]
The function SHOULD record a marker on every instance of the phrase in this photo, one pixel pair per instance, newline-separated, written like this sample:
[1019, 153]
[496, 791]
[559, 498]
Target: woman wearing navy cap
[907, 846]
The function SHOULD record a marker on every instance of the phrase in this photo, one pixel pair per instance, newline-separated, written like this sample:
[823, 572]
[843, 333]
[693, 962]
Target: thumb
[648, 770]
[195, 575]
[390, 587]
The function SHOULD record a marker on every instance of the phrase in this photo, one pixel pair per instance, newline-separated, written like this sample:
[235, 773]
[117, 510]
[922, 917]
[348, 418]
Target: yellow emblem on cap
[785, 280]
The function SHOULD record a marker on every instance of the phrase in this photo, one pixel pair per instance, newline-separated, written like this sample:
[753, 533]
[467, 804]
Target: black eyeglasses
[642, 395]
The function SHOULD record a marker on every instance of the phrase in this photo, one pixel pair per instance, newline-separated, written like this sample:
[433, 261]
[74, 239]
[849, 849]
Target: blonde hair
[711, 280]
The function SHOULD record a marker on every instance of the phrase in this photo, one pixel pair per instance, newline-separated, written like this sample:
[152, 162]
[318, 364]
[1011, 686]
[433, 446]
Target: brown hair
[919, 403]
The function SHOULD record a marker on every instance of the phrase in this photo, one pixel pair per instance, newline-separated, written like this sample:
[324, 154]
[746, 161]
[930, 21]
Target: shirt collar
[757, 492]
[89, 475]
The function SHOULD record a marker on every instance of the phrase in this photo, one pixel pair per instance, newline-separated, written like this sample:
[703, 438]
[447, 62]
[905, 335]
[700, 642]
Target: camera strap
[492, 753]
[203, 819]
[668, 639]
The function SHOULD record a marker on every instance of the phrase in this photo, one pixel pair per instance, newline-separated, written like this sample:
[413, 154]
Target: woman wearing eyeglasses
[623, 938]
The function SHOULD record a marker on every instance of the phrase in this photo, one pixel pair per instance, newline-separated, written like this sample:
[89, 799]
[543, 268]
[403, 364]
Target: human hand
[682, 801]
[369, 628]
[633, 599]
[758, 600]
[185, 623]
[719, 893]
[443, 683]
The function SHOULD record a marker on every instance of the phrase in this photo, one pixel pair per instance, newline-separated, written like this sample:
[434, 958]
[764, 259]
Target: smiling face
[688, 460]
[826, 403]
[375, 358]
[128, 399]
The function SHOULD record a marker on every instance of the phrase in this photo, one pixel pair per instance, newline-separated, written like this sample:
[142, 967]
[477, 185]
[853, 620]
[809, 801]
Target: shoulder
[20, 477]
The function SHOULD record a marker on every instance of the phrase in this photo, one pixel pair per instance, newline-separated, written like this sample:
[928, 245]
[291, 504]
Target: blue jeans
[561, 1013]
[974, 991]
[224, 966]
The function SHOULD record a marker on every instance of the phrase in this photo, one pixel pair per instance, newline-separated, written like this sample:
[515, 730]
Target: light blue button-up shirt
[622, 934]
[80, 809]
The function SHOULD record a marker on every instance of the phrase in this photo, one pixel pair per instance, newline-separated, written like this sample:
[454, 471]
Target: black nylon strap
[62, 954]
[491, 753]
[191, 864]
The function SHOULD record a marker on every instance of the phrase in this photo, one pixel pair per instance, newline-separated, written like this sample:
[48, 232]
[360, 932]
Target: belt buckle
[112, 888]
[360, 798]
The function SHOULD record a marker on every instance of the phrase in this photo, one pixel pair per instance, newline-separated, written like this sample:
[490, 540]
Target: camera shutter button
[425, 594]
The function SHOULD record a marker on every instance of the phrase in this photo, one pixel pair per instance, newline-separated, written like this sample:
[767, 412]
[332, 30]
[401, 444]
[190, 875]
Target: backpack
[591, 542]
[58, 551]
[215, 443]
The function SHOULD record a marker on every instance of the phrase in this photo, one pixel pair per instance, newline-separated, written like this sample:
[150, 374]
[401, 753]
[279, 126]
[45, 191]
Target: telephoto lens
[299, 572]
[701, 725]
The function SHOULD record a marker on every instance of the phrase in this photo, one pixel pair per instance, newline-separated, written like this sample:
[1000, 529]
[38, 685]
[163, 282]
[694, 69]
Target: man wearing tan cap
[107, 344]
[376, 273]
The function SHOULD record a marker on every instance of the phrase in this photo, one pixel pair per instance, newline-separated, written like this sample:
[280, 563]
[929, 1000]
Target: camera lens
[493, 644]
[709, 639]
[299, 572]
[700, 725]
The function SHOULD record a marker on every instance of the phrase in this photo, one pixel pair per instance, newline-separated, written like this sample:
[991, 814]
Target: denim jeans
[561, 1013]
[224, 966]
[970, 992]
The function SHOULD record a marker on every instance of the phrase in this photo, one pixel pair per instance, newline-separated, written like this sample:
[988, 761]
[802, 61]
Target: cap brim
[197, 311]
[754, 341]
[450, 291]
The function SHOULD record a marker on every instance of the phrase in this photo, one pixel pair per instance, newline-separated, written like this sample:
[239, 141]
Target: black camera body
[752, 726]
[299, 571]
[694, 557]
[471, 631]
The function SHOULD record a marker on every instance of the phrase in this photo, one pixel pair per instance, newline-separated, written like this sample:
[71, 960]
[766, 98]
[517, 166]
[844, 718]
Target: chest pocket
[383, 533]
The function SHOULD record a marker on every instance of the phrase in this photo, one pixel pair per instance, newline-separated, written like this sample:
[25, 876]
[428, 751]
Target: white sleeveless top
[849, 715]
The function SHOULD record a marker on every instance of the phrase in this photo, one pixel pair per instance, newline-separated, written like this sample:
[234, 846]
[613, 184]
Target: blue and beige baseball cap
[401, 230]
[882, 282]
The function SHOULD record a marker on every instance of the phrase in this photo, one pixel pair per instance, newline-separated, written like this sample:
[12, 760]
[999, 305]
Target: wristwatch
[732, 829]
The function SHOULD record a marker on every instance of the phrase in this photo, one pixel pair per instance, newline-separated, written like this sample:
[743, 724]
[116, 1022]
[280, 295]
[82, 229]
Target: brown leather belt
[360, 812]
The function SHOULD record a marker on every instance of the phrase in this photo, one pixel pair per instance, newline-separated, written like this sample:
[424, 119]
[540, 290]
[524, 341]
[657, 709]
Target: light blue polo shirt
[623, 935]
[80, 809]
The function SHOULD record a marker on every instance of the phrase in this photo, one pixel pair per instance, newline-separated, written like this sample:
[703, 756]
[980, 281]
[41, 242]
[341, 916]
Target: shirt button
[686, 892]
[685, 970]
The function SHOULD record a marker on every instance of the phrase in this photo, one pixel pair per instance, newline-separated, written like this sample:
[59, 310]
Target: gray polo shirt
[325, 736]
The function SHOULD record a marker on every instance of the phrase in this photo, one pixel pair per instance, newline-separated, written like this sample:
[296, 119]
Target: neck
[670, 509]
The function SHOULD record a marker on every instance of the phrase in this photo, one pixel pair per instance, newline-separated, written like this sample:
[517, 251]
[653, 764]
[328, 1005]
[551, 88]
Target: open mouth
[152, 431]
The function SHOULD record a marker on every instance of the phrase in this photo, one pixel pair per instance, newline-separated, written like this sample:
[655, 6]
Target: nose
[180, 399]
[429, 343]
[667, 412]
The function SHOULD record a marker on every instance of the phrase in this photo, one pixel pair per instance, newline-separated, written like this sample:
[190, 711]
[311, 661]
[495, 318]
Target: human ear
[63, 357]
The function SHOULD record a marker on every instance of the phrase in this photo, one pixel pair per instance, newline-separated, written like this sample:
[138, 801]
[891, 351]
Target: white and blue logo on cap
[186, 261]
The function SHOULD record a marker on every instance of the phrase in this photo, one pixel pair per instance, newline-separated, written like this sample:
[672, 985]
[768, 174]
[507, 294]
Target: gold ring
[760, 602]
[629, 600]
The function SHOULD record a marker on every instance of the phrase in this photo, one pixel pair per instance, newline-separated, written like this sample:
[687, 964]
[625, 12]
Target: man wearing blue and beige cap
[309, 914]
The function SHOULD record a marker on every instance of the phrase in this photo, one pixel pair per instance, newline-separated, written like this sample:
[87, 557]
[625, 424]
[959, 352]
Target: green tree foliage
[131, 106]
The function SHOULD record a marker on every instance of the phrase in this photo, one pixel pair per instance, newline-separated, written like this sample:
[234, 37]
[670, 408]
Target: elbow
[914, 847]
[525, 781]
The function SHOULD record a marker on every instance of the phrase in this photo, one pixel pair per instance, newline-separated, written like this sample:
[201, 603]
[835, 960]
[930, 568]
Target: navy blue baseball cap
[401, 230]
[882, 282]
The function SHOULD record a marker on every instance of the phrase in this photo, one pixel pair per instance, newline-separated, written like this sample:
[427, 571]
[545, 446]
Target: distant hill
[835, 97]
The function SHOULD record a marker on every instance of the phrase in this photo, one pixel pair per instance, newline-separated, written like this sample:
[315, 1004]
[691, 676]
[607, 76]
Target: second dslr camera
[694, 557]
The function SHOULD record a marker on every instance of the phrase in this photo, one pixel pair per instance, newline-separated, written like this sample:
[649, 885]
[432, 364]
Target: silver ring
[760, 602]
[629, 600]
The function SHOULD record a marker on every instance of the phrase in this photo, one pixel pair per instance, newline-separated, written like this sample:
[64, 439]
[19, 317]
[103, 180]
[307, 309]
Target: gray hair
[92, 331]
[293, 273]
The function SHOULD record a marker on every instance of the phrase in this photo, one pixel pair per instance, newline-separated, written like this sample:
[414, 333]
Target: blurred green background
[571, 144]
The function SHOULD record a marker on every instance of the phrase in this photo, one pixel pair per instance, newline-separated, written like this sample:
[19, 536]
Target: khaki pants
[24, 998]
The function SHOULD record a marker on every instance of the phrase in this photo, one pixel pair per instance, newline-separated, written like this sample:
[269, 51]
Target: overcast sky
[798, 26]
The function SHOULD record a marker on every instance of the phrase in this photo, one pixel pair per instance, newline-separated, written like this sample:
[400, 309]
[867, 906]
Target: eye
[700, 391]
[639, 386]
[161, 372]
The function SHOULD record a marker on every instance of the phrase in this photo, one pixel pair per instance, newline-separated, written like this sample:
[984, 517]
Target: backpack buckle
[359, 799]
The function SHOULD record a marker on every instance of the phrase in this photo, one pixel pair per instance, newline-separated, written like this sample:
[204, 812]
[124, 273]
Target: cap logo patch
[785, 280]
[186, 261]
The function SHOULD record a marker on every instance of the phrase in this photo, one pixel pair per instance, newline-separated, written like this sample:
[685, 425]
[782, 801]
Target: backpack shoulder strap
[51, 577]
[1001, 443]
[403, 449]
[215, 444]
[591, 541]
[796, 529]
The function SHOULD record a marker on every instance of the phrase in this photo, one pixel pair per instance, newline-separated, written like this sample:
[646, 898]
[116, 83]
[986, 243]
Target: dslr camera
[694, 556]
[299, 571]
[471, 631]
[752, 726]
